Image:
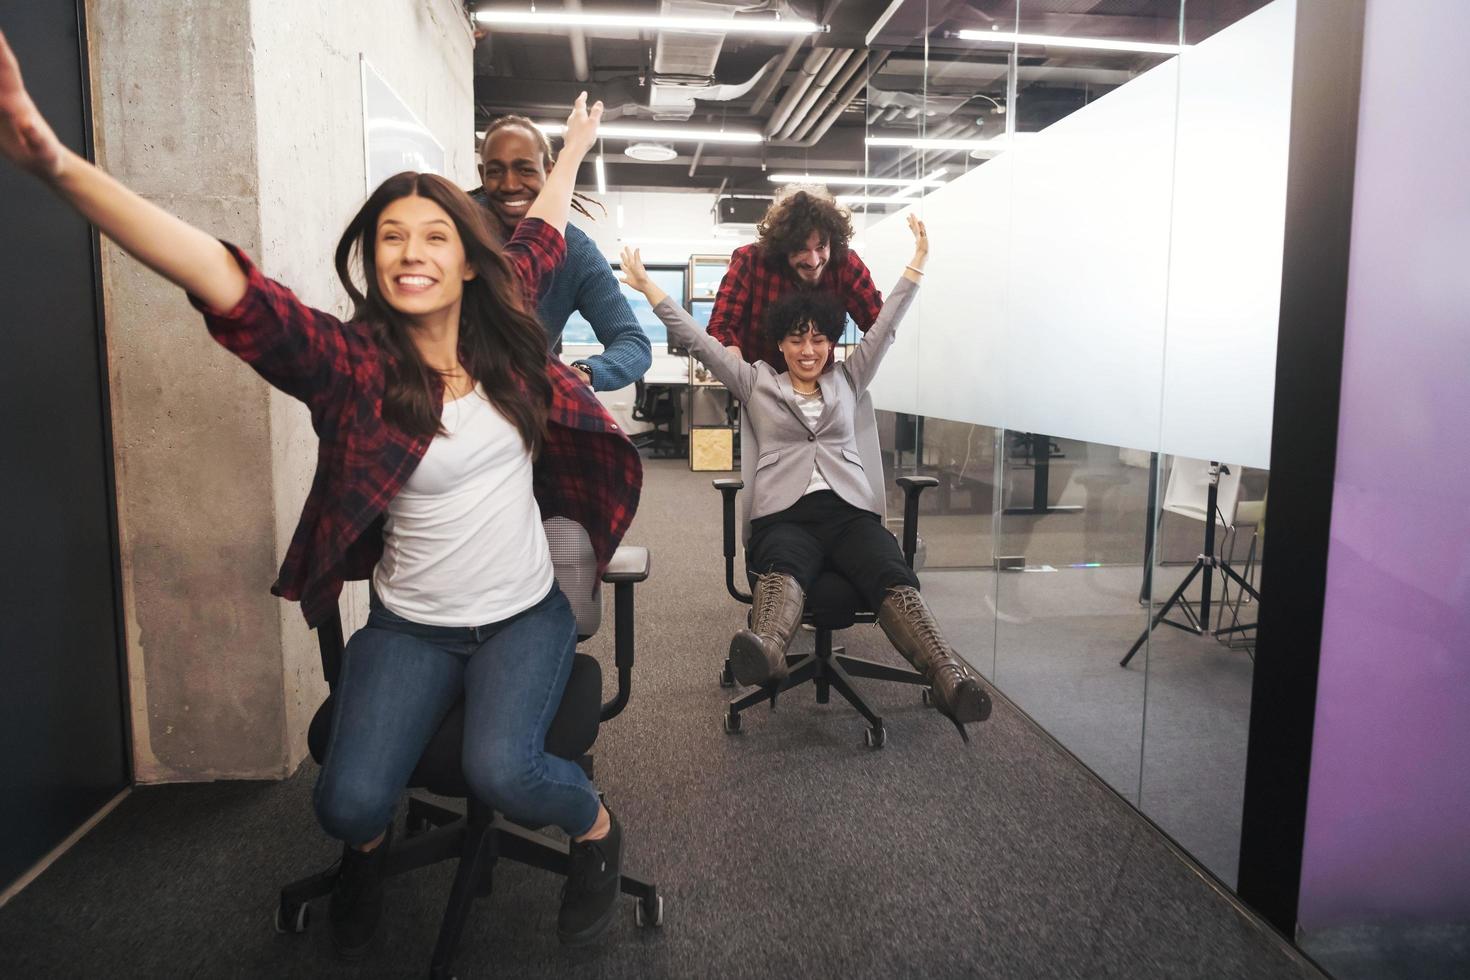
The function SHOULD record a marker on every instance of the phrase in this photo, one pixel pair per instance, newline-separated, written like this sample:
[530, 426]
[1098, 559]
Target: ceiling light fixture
[836, 180]
[601, 175]
[908, 143]
[649, 152]
[865, 199]
[715, 25]
[636, 132]
[1056, 41]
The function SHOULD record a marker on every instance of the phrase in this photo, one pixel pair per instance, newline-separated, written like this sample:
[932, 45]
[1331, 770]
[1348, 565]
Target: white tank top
[463, 543]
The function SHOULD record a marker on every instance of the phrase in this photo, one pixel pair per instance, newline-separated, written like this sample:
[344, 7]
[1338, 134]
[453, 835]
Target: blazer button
[811, 438]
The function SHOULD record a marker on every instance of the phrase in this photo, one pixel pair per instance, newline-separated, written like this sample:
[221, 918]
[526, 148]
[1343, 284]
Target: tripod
[1197, 624]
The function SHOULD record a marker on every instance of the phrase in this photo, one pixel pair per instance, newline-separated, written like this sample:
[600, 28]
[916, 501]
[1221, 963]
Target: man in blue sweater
[514, 159]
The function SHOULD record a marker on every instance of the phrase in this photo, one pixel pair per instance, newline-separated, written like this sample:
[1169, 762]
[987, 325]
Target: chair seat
[571, 735]
[833, 602]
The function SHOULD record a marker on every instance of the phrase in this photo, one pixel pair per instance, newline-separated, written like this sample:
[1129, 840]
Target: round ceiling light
[650, 152]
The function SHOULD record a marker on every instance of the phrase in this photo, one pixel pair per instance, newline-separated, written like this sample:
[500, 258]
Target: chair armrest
[728, 489]
[912, 487]
[629, 564]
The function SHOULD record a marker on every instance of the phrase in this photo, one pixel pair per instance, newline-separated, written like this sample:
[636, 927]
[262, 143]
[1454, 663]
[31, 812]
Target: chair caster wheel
[927, 696]
[876, 738]
[732, 723]
[292, 918]
[727, 678]
[646, 917]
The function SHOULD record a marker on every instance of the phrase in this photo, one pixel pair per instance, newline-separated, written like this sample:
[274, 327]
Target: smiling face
[512, 171]
[806, 354]
[420, 258]
[810, 261]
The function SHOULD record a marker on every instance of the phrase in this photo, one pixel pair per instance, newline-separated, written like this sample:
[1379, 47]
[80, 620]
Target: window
[669, 278]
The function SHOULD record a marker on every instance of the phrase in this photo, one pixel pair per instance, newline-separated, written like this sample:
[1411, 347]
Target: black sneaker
[357, 898]
[590, 896]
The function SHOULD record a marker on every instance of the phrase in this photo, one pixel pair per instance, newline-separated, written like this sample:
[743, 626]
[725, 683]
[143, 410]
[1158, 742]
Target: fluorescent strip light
[865, 199]
[653, 22]
[636, 132]
[601, 176]
[1054, 41]
[998, 144]
[479, 134]
[844, 181]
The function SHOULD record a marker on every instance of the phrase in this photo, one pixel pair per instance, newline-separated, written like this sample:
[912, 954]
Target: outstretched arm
[174, 249]
[723, 363]
[862, 364]
[554, 204]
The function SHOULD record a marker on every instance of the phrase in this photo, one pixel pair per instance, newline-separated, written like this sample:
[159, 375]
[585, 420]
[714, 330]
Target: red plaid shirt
[752, 283]
[587, 471]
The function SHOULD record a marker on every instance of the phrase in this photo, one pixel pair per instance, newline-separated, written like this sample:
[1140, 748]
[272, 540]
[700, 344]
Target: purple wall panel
[1388, 813]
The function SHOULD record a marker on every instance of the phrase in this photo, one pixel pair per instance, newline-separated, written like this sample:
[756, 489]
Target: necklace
[800, 391]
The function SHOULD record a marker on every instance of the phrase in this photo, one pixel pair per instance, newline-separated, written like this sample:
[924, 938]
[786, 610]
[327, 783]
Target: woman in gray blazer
[812, 505]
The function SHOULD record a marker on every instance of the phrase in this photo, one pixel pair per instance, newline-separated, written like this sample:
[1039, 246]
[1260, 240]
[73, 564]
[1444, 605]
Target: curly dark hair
[792, 314]
[790, 221]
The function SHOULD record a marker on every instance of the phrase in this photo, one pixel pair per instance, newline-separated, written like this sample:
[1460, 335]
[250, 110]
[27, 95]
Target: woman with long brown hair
[447, 434]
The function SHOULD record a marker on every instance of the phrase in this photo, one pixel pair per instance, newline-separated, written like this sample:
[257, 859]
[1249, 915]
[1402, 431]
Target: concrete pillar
[244, 118]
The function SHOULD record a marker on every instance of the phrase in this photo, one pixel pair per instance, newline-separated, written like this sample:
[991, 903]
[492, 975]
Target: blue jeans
[399, 679]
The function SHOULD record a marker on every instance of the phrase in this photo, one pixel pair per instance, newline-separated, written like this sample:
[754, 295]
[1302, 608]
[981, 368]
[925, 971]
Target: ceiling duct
[684, 61]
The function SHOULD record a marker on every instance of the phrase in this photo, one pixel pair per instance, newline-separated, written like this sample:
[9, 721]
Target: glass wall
[1088, 372]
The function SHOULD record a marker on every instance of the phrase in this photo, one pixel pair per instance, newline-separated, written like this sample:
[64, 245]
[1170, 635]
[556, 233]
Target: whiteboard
[1115, 278]
[393, 139]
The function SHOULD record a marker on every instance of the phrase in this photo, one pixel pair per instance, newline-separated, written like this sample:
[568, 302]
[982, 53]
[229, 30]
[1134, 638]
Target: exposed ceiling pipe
[809, 68]
[873, 64]
[694, 164]
[578, 41]
[853, 66]
[829, 71]
[774, 79]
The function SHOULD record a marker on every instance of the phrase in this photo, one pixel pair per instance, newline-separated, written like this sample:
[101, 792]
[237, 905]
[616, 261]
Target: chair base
[479, 839]
[827, 668]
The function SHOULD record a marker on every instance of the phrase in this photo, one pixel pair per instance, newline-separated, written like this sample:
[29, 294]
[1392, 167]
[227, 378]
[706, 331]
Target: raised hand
[634, 274]
[581, 131]
[25, 138]
[921, 241]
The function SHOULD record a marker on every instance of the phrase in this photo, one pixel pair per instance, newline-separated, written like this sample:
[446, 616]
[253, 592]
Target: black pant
[823, 531]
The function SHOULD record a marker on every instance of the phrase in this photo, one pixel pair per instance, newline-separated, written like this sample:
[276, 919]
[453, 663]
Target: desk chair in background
[654, 404]
[479, 837]
[832, 603]
[1251, 514]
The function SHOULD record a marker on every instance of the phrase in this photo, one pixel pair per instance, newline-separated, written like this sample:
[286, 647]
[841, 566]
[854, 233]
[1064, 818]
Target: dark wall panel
[62, 718]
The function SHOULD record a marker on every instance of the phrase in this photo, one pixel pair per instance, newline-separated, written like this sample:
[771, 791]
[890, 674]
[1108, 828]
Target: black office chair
[479, 837]
[654, 404]
[831, 604]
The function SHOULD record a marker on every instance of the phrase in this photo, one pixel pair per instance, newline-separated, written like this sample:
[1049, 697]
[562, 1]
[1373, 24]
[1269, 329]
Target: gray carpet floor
[789, 849]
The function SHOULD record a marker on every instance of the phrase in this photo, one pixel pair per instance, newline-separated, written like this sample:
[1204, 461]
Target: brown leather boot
[910, 627]
[758, 654]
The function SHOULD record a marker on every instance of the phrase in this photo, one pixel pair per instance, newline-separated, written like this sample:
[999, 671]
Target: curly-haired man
[802, 243]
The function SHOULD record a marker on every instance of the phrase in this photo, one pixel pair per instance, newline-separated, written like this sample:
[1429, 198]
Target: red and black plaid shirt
[753, 283]
[587, 471]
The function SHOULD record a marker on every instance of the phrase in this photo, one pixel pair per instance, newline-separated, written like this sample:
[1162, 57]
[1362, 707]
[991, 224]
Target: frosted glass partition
[1063, 268]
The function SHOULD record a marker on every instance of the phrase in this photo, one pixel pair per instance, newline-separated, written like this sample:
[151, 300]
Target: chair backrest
[865, 431]
[576, 571]
[1187, 493]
